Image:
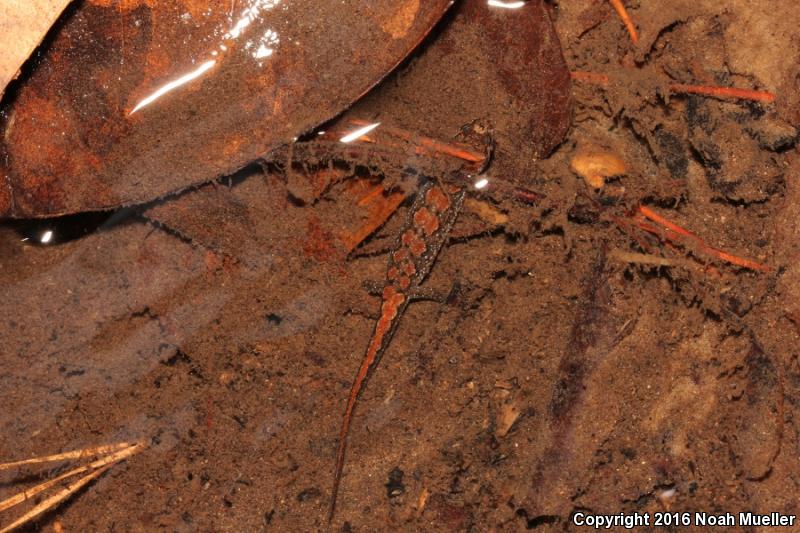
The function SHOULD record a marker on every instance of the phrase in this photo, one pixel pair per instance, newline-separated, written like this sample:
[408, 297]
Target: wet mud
[615, 328]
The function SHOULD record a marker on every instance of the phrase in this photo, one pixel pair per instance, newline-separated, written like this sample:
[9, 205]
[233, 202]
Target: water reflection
[506, 5]
[360, 132]
[263, 46]
[266, 45]
[249, 15]
[259, 48]
[183, 80]
[59, 230]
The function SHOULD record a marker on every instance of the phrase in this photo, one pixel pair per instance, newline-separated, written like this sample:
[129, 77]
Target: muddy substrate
[561, 371]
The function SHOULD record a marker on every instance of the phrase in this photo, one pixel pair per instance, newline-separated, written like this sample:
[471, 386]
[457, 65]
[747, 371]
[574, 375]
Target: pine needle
[113, 454]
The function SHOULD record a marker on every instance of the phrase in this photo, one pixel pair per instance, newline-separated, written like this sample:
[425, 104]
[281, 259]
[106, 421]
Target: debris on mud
[617, 329]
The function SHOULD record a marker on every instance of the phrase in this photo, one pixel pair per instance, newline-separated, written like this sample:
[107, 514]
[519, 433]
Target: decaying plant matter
[612, 327]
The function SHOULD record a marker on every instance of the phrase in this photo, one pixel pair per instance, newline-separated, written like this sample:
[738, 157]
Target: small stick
[591, 77]
[655, 217]
[55, 499]
[527, 196]
[109, 459]
[370, 196]
[376, 218]
[619, 7]
[74, 454]
[119, 451]
[734, 93]
[740, 261]
[724, 92]
[643, 259]
[675, 233]
[453, 150]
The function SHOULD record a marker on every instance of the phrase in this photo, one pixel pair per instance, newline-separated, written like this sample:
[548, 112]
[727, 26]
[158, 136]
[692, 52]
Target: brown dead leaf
[23, 25]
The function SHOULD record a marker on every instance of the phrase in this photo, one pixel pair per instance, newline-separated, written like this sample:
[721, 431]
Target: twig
[109, 459]
[73, 454]
[655, 217]
[725, 93]
[591, 77]
[55, 499]
[677, 234]
[424, 144]
[619, 7]
[96, 468]
[642, 259]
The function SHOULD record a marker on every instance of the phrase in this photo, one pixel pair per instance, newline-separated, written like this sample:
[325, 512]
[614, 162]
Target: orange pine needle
[740, 261]
[591, 77]
[377, 216]
[678, 234]
[655, 217]
[371, 195]
[619, 7]
[724, 92]
[454, 150]
[703, 90]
